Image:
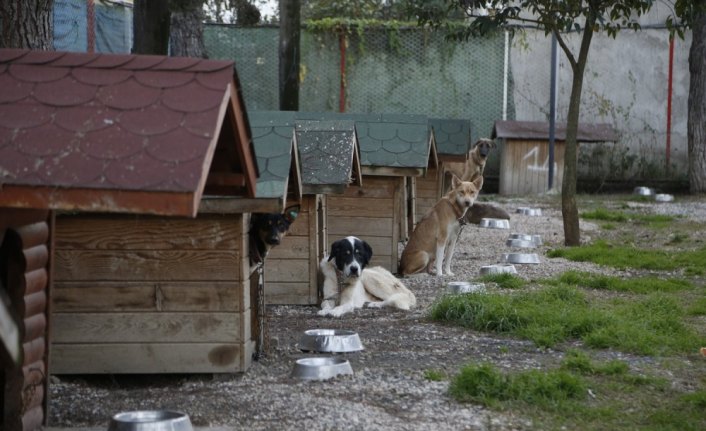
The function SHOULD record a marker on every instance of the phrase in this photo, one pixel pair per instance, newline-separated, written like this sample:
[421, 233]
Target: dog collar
[460, 215]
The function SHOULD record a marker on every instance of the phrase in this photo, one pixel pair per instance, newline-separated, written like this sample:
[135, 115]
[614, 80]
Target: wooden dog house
[394, 151]
[453, 141]
[524, 149]
[328, 159]
[110, 134]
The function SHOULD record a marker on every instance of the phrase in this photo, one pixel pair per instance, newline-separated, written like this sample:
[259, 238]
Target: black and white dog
[375, 286]
[267, 231]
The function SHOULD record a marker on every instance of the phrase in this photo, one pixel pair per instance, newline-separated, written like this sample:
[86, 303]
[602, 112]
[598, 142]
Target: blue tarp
[113, 26]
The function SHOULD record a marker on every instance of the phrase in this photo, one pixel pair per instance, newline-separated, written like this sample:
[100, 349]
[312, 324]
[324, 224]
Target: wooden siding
[524, 167]
[371, 213]
[428, 192]
[151, 294]
[291, 267]
[25, 257]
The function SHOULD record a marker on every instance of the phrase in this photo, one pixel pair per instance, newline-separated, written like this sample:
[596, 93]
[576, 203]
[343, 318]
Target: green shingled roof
[453, 137]
[328, 153]
[399, 141]
[273, 139]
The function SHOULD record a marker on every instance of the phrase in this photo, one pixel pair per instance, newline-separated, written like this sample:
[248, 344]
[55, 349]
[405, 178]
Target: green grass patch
[654, 324]
[697, 307]
[434, 375]
[657, 221]
[486, 385]
[603, 253]
[504, 280]
[582, 394]
[634, 285]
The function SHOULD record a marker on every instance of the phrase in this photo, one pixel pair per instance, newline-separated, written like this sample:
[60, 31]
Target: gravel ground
[388, 389]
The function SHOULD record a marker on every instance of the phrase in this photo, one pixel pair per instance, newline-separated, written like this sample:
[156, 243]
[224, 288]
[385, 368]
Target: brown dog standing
[434, 238]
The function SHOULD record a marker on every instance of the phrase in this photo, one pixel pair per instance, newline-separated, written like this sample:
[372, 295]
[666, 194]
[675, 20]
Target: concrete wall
[625, 85]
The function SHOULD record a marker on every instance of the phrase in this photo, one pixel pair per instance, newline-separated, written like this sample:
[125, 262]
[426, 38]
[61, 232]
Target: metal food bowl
[643, 191]
[530, 211]
[662, 197]
[456, 287]
[521, 258]
[150, 420]
[321, 368]
[536, 239]
[330, 341]
[501, 268]
[495, 223]
[520, 243]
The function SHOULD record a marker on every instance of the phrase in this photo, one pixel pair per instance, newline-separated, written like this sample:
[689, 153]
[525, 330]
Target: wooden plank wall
[524, 167]
[25, 263]
[371, 213]
[151, 295]
[428, 192]
[291, 267]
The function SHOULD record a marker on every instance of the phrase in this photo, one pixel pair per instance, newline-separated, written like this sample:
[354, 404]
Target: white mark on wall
[535, 166]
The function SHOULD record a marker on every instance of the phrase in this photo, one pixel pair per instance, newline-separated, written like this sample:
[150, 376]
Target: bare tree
[186, 34]
[696, 123]
[151, 20]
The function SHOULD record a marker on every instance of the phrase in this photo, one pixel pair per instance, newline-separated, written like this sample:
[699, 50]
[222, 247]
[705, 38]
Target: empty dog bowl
[330, 340]
[495, 223]
[643, 191]
[150, 420]
[662, 197]
[521, 258]
[501, 268]
[520, 243]
[536, 239]
[530, 211]
[321, 368]
[456, 287]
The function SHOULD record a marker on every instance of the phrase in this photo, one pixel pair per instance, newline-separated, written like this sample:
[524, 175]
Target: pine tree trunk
[27, 24]
[186, 34]
[151, 27]
[696, 124]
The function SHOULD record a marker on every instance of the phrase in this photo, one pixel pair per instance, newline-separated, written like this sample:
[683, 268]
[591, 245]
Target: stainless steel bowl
[643, 191]
[523, 258]
[150, 420]
[520, 243]
[530, 211]
[321, 368]
[330, 341]
[536, 239]
[662, 197]
[456, 287]
[495, 223]
[500, 268]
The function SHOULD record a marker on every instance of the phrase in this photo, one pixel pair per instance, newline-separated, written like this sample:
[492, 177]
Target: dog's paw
[327, 304]
[378, 304]
[324, 313]
[450, 274]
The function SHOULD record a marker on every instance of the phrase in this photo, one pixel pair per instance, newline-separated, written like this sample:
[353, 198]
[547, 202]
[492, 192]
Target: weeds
[505, 280]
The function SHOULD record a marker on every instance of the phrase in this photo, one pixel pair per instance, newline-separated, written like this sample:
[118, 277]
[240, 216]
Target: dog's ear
[334, 251]
[367, 252]
[291, 213]
[492, 143]
[478, 182]
[455, 181]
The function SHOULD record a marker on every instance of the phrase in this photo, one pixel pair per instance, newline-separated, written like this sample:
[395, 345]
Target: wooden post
[289, 36]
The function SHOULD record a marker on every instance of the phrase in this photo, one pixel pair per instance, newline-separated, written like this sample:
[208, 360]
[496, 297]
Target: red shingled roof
[120, 132]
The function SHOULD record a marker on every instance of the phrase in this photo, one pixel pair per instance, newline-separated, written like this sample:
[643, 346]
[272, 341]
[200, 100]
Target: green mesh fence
[407, 71]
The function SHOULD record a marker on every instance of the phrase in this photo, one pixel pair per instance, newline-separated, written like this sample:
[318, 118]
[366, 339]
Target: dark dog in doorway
[267, 231]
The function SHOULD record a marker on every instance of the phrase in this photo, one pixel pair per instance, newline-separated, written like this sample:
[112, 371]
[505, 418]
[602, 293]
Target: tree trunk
[27, 24]
[151, 27]
[289, 35]
[569, 209]
[696, 123]
[186, 34]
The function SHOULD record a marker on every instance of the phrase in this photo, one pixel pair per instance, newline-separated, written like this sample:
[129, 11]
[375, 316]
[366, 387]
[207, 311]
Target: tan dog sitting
[434, 238]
